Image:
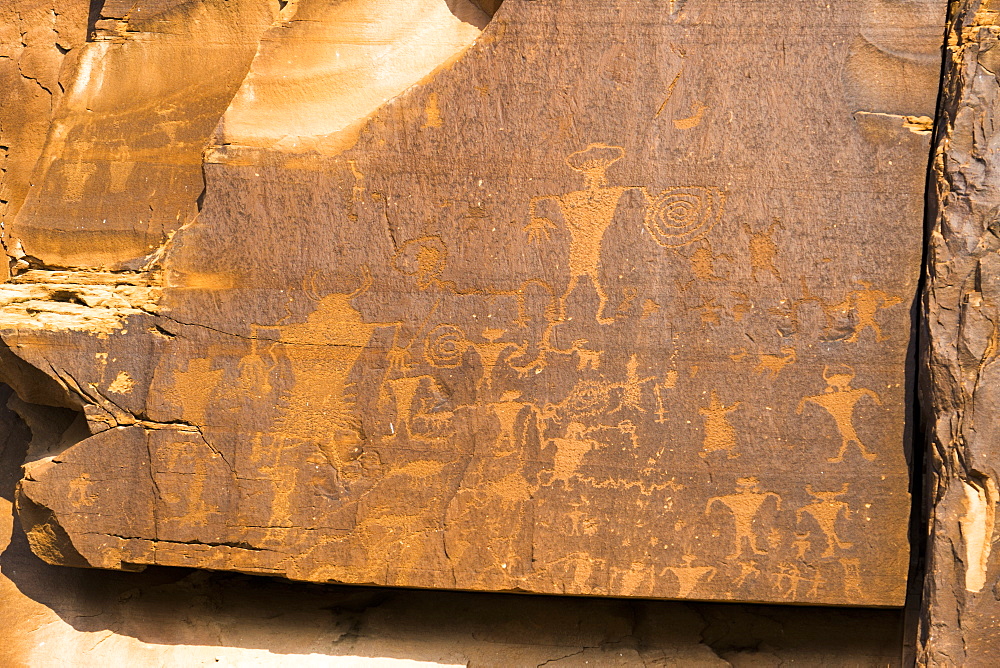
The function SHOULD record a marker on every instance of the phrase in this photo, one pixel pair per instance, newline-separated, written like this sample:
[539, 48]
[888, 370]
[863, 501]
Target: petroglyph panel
[615, 299]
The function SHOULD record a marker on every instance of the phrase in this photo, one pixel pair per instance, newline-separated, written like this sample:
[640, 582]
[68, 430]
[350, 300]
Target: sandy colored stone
[609, 299]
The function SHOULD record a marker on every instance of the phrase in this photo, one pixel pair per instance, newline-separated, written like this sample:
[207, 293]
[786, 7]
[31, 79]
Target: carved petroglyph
[693, 120]
[681, 216]
[445, 346]
[791, 576]
[703, 261]
[588, 214]
[688, 576]
[424, 258]
[839, 400]
[864, 304]
[792, 310]
[719, 433]
[772, 365]
[826, 510]
[763, 250]
[744, 505]
[325, 349]
[570, 451]
[852, 577]
[673, 218]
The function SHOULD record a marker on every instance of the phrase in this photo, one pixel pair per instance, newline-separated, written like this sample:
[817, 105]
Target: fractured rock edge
[962, 337]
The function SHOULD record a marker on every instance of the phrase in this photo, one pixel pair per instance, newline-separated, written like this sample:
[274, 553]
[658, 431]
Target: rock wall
[52, 616]
[373, 293]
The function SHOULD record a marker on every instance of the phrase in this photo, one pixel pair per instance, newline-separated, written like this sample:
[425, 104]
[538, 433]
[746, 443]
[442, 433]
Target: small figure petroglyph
[865, 304]
[763, 250]
[719, 434]
[746, 570]
[570, 451]
[839, 400]
[852, 578]
[744, 505]
[826, 509]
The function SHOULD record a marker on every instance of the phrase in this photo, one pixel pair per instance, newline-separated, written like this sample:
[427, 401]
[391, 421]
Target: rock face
[608, 298]
[960, 394]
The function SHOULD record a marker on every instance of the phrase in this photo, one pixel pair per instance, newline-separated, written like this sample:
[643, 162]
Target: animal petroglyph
[839, 400]
[865, 304]
[674, 217]
[744, 505]
[826, 509]
[719, 434]
[773, 364]
[763, 250]
[691, 121]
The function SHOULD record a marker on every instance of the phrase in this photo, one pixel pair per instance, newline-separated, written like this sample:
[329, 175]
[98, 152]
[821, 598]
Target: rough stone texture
[961, 393]
[52, 617]
[614, 298]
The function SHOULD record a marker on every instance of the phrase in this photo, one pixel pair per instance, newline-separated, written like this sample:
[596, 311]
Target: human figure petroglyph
[403, 392]
[506, 411]
[570, 451]
[794, 576]
[801, 544]
[325, 349]
[763, 250]
[865, 304]
[773, 364]
[490, 352]
[673, 218]
[747, 569]
[839, 400]
[719, 434]
[632, 388]
[826, 509]
[744, 505]
[588, 214]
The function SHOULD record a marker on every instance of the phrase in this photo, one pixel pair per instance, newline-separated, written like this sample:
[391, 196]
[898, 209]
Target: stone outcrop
[960, 389]
[572, 297]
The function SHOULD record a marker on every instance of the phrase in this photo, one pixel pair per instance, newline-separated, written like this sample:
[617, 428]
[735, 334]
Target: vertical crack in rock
[960, 388]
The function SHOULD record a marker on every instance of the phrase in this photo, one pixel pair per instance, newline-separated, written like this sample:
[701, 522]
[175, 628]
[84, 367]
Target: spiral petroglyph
[444, 346]
[678, 216]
